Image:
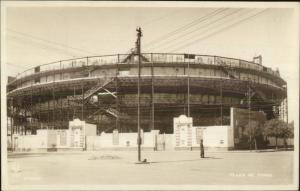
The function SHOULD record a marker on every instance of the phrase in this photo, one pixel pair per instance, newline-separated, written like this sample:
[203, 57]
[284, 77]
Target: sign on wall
[183, 131]
[77, 134]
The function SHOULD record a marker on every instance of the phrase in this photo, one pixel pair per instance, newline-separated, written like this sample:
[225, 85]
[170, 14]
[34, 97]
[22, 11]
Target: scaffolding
[110, 100]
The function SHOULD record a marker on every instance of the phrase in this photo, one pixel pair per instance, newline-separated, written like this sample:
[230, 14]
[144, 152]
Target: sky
[39, 35]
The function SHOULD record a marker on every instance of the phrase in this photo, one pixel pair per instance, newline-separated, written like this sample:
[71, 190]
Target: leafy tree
[253, 130]
[276, 128]
[288, 132]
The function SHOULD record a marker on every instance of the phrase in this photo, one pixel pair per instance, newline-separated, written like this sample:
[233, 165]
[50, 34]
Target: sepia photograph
[149, 95]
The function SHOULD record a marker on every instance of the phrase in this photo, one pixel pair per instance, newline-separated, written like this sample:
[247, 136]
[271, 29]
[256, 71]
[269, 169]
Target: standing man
[201, 148]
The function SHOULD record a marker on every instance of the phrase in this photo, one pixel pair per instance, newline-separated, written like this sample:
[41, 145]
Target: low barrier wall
[214, 138]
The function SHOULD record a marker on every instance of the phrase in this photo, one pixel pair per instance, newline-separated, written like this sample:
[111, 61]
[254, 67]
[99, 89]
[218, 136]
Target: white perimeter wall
[214, 136]
[41, 140]
[126, 140]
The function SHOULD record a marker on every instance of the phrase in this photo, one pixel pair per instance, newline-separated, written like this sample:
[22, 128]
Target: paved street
[166, 167]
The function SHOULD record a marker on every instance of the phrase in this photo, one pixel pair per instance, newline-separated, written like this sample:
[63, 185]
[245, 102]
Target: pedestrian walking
[201, 148]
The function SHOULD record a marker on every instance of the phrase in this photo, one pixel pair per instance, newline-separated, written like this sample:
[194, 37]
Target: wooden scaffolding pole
[152, 93]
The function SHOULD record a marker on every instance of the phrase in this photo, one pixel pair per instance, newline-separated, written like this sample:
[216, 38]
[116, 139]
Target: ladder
[92, 91]
[116, 113]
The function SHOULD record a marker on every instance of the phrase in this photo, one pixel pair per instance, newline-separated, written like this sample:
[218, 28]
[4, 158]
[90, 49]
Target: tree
[288, 132]
[253, 129]
[276, 128]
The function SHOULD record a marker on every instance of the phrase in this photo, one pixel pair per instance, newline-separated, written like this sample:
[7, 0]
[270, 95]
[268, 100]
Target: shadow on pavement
[41, 154]
[212, 158]
[24, 155]
[274, 150]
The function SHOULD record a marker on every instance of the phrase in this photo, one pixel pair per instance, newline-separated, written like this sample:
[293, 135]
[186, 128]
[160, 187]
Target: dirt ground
[165, 167]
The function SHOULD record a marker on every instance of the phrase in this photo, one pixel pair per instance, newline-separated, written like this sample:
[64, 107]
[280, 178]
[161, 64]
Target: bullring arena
[102, 90]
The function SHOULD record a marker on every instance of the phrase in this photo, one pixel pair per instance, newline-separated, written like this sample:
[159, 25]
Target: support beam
[68, 110]
[152, 94]
[53, 101]
[188, 86]
[48, 114]
[74, 106]
[287, 106]
[117, 96]
[249, 110]
[12, 123]
[62, 114]
[221, 100]
[23, 130]
[40, 108]
[82, 92]
[111, 93]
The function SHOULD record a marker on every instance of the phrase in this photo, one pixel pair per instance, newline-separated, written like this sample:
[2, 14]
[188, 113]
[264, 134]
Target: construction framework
[103, 90]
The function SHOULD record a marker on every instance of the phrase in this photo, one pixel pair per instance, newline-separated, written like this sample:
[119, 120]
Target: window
[205, 98]
[211, 99]
[124, 73]
[37, 69]
[37, 80]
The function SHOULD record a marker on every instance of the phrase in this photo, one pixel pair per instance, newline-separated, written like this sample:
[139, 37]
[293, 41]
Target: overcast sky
[39, 35]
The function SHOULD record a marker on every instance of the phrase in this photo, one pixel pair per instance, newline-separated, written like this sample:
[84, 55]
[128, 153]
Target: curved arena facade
[103, 90]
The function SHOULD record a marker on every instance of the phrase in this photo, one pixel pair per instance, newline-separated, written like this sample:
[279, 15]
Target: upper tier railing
[147, 57]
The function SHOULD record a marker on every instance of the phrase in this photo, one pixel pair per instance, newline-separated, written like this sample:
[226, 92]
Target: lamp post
[138, 48]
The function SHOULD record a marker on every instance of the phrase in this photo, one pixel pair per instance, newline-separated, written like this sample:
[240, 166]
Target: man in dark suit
[201, 148]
